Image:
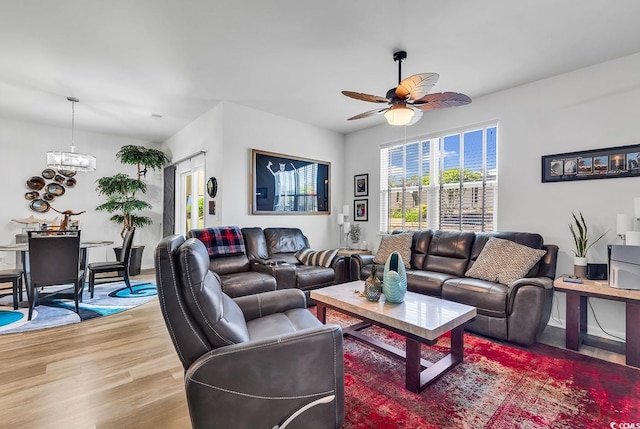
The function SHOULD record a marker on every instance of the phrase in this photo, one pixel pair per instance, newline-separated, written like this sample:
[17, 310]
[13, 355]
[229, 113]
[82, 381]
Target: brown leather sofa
[269, 263]
[439, 260]
[257, 361]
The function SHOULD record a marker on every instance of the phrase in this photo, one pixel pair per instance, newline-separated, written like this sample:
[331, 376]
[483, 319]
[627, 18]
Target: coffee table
[420, 319]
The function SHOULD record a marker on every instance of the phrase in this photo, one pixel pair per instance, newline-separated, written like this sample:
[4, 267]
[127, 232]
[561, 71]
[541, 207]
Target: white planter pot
[580, 267]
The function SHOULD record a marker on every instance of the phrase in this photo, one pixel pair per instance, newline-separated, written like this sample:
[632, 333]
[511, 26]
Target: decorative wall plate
[48, 197]
[212, 187]
[55, 189]
[33, 195]
[59, 178]
[67, 173]
[36, 183]
[40, 206]
[70, 182]
[48, 173]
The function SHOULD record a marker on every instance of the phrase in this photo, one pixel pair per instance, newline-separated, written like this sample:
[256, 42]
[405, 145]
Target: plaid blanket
[220, 241]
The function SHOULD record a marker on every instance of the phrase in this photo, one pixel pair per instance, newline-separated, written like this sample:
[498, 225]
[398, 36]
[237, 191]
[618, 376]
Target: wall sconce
[343, 225]
[625, 225]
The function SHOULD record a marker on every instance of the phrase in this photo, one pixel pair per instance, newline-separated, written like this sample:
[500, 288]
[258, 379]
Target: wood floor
[119, 371]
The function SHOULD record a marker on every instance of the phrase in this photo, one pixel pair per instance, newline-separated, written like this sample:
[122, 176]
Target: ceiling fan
[410, 98]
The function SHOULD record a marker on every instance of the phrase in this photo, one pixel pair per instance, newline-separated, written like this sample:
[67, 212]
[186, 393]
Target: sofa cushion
[504, 261]
[283, 240]
[286, 322]
[449, 252]
[219, 317]
[247, 283]
[488, 297]
[255, 243]
[400, 243]
[426, 282]
[229, 264]
[529, 239]
[312, 277]
[320, 258]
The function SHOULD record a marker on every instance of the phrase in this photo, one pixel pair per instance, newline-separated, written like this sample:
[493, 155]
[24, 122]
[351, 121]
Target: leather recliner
[269, 248]
[238, 276]
[250, 362]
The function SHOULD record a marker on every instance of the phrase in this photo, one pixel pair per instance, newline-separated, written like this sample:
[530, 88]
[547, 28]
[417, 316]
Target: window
[445, 182]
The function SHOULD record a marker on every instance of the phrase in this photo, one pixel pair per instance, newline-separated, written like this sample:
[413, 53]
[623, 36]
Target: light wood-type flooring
[118, 371]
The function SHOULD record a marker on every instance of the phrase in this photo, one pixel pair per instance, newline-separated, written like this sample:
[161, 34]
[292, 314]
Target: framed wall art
[284, 184]
[361, 185]
[361, 210]
[613, 162]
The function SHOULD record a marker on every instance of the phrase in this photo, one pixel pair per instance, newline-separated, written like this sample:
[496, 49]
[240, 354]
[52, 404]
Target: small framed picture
[361, 185]
[361, 210]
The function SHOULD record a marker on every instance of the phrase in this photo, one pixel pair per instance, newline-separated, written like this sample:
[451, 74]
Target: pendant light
[71, 160]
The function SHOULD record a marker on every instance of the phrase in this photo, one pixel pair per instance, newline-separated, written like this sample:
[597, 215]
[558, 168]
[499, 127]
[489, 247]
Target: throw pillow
[400, 243]
[504, 261]
[320, 258]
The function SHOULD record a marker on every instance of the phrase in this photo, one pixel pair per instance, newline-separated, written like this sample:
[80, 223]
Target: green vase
[394, 281]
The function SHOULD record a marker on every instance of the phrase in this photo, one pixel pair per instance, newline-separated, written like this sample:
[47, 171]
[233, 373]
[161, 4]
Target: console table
[576, 317]
[348, 253]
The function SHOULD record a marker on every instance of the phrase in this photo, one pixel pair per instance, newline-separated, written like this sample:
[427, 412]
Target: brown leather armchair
[257, 361]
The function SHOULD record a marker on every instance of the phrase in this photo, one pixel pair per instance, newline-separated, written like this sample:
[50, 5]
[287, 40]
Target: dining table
[23, 248]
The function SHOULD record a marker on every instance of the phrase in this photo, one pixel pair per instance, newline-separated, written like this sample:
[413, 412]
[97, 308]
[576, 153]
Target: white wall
[592, 108]
[24, 147]
[228, 132]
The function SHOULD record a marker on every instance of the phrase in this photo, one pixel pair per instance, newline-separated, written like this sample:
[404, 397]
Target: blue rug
[59, 309]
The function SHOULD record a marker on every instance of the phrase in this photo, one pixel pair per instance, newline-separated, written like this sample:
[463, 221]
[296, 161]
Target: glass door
[191, 200]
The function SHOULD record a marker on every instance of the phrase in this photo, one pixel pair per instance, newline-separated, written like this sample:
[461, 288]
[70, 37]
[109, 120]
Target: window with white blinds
[444, 182]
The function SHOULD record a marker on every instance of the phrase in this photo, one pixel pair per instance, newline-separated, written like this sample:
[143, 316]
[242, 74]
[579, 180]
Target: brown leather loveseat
[517, 310]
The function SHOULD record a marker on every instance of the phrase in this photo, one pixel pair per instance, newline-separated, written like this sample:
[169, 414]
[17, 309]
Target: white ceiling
[128, 59]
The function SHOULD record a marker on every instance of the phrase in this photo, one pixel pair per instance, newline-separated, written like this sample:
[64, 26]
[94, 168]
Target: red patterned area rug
[498, 385]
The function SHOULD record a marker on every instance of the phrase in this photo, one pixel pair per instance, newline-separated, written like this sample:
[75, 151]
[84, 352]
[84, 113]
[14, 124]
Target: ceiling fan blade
[441, 100]
[416, 117]
[416, 86]
[365, 97]
[369, 113]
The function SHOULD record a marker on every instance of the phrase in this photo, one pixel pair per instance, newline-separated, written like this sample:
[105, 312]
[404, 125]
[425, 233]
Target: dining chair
[15, 278]
[119, 266]
[54, 259]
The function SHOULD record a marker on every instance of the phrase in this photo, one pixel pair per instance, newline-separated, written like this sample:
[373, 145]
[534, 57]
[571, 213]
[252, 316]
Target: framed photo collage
[621, 161]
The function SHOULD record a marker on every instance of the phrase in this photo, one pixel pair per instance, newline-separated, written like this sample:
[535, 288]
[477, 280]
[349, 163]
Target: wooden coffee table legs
[417, 378]
[419, 372]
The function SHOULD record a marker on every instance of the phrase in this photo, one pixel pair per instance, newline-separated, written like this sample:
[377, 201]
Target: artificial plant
[580, 236]
[122, 191]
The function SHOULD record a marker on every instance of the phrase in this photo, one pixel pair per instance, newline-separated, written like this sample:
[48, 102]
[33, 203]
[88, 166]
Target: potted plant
[579, 231]
[123, 191]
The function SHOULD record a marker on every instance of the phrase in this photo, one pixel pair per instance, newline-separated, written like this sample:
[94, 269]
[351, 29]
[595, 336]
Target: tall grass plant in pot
[580, 233]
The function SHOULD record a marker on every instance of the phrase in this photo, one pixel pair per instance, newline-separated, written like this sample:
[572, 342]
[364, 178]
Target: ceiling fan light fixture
[399, 115]
[71, 160]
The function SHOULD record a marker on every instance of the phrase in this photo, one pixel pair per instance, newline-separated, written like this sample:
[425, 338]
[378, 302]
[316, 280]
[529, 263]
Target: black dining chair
[15, 278]
[121, 266]
[54, 259]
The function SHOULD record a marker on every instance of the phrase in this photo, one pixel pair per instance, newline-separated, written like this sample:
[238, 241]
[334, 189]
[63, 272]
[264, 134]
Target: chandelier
[71, 160]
